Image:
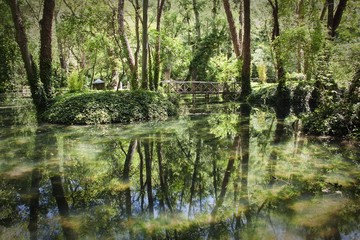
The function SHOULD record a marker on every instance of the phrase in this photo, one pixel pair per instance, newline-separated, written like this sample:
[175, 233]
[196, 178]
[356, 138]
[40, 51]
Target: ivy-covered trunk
[37, 89]
[157, 59]
[45, 48]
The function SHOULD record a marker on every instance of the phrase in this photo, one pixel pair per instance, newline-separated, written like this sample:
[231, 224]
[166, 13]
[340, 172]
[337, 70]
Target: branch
[33, 11]
[272, 4]
[70, 8]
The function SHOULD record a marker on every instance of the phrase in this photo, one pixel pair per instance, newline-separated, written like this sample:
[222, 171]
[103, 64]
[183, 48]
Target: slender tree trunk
[142, 185]
[241, 23]
[245, 73]
[137, 32]
[45, 48]
[245, 146]
[215, 11]
[197, 20]
[126, 46]
[323, 11]
[63, 206]
[215, 178]
[195, 174]
[145, 47]
[337, 16]
[232, 28]
[275, 33]
[162, 177]
[330, 16]
[148, 163]
[299, 50]
[157, 59]
[150, 73]
[126, 175]
[34, 203]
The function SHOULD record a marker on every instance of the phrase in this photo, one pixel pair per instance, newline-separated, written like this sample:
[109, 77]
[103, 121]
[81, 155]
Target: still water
[232, 173]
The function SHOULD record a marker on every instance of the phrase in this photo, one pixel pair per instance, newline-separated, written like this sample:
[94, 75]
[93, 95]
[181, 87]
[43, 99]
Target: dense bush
[339, 117]
[110, 107]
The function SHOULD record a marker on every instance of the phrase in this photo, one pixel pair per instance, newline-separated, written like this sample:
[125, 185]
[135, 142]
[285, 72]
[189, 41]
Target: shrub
[76, 81]
[261, 69]
[337, 116]
[110, 107]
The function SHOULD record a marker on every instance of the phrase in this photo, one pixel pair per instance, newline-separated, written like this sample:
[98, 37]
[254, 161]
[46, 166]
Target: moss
[110, 107]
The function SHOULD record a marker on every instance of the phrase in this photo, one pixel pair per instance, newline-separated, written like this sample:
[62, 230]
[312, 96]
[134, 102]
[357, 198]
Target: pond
[220, 172]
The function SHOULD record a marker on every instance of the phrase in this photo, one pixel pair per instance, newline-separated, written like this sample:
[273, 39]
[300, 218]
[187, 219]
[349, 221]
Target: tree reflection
[126, 175]
[45, 151]
[188, 182]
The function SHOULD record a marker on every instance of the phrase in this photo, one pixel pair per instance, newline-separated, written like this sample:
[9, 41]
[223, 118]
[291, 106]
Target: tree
[127, 51]
[276, 33]
[160, 7]
[245, 73]
[40, 90]
[45, 47]
[145, 47]
[334, 19]
[234, 36]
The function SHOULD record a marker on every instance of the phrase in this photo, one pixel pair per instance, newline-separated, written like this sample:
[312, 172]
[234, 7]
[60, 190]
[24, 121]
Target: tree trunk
[245, 73]
[162, 177]
[45, 48]
[126, 175]
[197, 20]
[126, 46]
[145, 47]
[215, 8]
[241, 23]
[157, 59]
[63, 206]
[37, 90]
[299, 50]
[338, 15]
[34, 207]
[148, 163]
[330, 18]
[195, 174]
[275, 33]
[334, 19]
[232, 28]
[142, 185]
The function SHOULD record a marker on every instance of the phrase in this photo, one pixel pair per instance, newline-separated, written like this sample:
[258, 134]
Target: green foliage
[110, 107]
[198, 68]
[262, 94]
[261, 69]
[76, 81]
[288, 43]
[8, 51]
[223, 69]
[301, 95]
[337, 116]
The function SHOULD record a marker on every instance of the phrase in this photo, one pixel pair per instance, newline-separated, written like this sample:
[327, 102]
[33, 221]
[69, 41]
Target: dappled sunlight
[319, 211]
[18, 171]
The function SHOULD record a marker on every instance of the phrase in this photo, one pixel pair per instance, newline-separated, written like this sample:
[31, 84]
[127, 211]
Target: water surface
[226, 174]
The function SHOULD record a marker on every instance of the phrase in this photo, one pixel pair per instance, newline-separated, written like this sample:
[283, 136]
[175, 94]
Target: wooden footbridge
[201, 88]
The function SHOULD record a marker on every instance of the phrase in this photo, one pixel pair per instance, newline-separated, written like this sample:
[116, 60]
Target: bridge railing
[200, 87]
